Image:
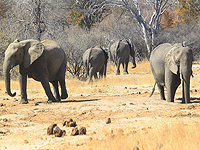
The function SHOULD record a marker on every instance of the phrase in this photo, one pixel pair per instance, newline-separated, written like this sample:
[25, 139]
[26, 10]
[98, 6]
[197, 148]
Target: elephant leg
[23, 86]
[95, 75]
[161, 90]
[64, 93]
[61, 80]
[125, 66]
[56, 90]
[101, 73]
[91, 73]
[46, 86]
[172, 82]
[171, 93]
[118, 67]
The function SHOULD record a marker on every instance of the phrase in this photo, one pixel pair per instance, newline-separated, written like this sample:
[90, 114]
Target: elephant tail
[153, 89]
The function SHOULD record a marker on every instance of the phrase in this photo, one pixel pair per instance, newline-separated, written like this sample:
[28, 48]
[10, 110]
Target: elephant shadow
[77, 101]
[193, 99]
[86, 100]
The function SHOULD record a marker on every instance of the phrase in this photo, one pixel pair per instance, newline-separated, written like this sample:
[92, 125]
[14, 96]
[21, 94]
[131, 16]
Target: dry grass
[169, 135]
[141, 75]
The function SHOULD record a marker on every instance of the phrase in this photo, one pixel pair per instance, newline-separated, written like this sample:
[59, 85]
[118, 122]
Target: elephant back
[161, 50]
[49, 45]
[95, 52]
[114, 46]
[117, 48]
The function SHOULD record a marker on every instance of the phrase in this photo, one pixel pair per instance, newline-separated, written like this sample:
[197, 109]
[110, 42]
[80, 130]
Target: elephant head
[132, 52]
[20, 53]
[179, 61]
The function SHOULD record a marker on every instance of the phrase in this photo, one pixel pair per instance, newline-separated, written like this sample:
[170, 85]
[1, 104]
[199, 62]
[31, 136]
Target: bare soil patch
[136, 120]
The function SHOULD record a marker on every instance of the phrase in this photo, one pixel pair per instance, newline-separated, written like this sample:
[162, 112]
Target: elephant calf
[43, 61]
[170, 64]
[95, 60]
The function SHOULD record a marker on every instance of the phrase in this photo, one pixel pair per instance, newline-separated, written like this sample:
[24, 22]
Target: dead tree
[150, 22]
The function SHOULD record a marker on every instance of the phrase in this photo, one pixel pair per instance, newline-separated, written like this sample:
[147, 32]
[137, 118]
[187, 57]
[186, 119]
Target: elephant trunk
[186, 88]
[132, 54]
[105, 69]
[134, 64]
[6, 71]
[185, 73]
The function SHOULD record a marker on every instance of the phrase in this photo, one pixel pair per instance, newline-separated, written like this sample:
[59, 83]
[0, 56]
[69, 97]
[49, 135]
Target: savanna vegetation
[137, 120]
[79, 24]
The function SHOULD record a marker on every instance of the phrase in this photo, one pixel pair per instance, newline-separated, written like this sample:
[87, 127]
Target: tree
[37, 15]
[148, 18]
[86, 13]
[187, 11]
[167, 20]
[38, 19]
[4, 7]
[80, 40]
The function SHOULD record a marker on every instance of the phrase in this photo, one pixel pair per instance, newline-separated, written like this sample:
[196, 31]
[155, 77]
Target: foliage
[4, 7]
[4, 42]
[167, 19]
[75, 17]
[87, 13]
[75, 45]
[187, 11]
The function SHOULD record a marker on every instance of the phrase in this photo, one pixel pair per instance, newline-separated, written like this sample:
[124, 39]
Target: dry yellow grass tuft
[167, 136]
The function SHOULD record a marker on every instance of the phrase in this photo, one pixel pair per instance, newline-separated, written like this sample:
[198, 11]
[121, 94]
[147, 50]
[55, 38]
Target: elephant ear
[172, 60]
[129, 42]
[118, 45]
[32, 53]
[105, 53]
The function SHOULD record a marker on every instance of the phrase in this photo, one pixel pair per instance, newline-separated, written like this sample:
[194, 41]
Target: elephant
[170, 64]
[95, 60]
[43, 61]
[120, 52]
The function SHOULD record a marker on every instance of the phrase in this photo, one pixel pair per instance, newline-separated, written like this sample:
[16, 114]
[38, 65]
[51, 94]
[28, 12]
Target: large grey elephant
[95, 60]
[120, 52]
[43, 61]
[170, 64]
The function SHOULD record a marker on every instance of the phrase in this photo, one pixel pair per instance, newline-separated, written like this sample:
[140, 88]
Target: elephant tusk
[181, 76]
[192, 76]
[11, 70]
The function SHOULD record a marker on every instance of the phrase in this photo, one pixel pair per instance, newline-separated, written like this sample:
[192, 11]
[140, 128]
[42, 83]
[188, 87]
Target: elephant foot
[64, 96]
[170, 100]
[185, 101]
[22, 101]
[51, 101]
[58, 99]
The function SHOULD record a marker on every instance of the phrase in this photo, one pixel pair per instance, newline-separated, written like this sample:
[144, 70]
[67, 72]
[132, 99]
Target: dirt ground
[25, 126]
[137, 120]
